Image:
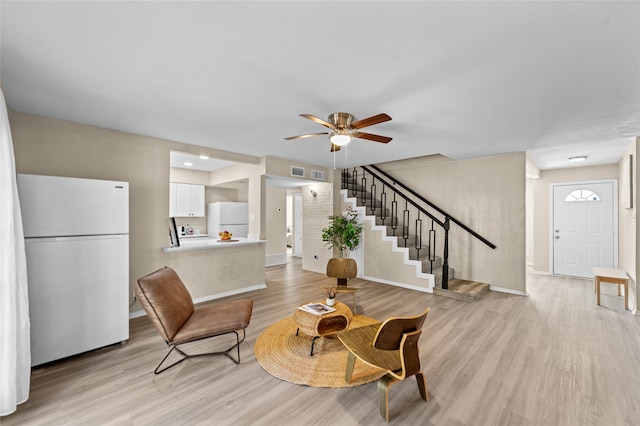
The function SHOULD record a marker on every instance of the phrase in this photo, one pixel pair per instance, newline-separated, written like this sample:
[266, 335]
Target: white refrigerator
[77, 245]
[228, 216]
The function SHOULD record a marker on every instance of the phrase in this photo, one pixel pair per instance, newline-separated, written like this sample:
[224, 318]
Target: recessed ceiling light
[204, 157]
[578, 158]
[188, 164]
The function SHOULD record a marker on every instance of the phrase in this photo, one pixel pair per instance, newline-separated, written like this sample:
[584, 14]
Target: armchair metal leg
[185, 355]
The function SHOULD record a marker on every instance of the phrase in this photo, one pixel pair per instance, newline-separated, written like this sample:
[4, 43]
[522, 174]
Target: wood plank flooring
[466, 290]
[553, 358]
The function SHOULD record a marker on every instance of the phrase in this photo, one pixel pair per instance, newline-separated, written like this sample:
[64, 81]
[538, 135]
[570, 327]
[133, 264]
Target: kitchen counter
[210, 243]
[193, 236]
[211, 269]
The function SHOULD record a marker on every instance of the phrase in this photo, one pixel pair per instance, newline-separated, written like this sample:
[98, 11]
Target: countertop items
[209, 243]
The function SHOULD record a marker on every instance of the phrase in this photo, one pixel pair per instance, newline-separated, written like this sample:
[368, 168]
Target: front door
[583, 229]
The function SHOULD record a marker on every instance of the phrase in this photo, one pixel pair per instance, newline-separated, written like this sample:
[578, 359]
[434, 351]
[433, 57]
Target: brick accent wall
[316, 212]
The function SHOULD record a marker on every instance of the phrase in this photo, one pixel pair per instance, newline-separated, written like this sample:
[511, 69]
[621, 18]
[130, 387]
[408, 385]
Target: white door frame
[615, 217]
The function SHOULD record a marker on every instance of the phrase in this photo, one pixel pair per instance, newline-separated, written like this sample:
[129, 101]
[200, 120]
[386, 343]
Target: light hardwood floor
[553, 358]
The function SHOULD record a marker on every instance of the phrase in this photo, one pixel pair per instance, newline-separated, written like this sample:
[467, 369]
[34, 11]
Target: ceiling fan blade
[334, 147]
[310, 135]
[369, 136]
[375, 119]
[317, 120]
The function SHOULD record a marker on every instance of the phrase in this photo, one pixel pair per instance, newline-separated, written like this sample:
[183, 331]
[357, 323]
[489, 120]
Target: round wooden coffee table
[323, 325]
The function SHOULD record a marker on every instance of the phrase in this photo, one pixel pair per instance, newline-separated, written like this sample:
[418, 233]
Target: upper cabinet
[186, 200]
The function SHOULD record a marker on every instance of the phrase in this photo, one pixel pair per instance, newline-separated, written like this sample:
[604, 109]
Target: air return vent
[297, 171]
[317, 174]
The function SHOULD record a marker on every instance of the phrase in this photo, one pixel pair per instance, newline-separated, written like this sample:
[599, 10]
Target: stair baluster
[445, 256]
[372, 195]
[394, 215]
[418, 242]
[363, 185]
[405, 223]
[354, 182]
[383, 205]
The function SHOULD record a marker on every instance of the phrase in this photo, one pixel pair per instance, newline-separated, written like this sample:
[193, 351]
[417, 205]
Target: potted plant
[343, 236]
[329, 295]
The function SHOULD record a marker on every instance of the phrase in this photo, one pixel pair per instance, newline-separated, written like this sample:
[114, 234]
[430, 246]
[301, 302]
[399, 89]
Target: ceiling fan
[343, 128]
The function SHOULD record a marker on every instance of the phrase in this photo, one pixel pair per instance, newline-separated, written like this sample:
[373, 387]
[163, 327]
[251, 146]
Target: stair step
[466, 290]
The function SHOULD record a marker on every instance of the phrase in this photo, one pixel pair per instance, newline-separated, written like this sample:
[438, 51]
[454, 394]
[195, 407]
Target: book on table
[316, 308]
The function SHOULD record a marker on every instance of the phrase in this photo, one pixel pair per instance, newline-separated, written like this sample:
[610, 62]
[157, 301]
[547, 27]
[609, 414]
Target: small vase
[331, 302]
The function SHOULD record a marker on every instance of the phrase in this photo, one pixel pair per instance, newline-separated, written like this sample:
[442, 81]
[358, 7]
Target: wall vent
[317, 174]
[275, 259]
[297, 171]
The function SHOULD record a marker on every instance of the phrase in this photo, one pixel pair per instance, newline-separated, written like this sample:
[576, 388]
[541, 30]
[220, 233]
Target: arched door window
[580, 195]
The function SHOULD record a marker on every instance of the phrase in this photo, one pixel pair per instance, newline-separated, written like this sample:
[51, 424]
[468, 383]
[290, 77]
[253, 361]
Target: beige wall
[542, 205]
[489, 196]
[59, 148]
[629, 236]
[196, 177]
[282, 167]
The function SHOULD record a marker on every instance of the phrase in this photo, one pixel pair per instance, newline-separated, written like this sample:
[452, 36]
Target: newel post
[445, 256]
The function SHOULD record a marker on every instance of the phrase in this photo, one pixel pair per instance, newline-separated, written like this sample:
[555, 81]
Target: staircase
[409, 234]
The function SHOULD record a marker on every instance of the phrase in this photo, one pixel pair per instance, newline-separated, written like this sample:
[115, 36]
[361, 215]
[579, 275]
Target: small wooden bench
[613, 276]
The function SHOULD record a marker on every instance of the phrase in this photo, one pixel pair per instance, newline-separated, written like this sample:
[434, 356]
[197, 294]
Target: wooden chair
[392, 346]
[168, 304]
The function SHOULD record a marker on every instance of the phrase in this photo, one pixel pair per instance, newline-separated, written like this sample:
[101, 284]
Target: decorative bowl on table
[225, 235]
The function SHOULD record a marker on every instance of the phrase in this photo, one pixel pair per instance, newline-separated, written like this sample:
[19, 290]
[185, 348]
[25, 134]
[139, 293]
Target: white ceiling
[462, 79]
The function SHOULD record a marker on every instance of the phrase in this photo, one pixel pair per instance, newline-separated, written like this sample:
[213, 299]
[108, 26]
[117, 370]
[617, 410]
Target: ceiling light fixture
[188, 164]
[578, 158]
[340, 138]
[204, 157]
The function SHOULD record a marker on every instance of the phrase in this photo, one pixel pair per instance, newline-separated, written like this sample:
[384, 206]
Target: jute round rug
[286, 356]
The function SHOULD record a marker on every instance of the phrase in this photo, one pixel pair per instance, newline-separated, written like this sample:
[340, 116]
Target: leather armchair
[168, 304]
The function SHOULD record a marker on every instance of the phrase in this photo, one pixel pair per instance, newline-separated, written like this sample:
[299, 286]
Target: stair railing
[430, 204]
[368, 197]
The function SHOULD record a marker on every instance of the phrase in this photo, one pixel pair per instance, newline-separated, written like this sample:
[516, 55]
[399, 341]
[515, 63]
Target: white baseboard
[508, 290]
[142, 313]
[403, 285]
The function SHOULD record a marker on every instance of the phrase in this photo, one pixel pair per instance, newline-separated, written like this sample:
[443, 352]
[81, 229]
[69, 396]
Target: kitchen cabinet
[186, 200]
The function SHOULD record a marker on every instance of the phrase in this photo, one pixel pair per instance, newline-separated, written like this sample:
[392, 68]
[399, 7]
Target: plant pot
[330, 302]
[342, 269]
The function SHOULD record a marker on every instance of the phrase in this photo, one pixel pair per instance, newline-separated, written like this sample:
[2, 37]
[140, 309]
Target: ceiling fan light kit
[344, 128]
[340, 138]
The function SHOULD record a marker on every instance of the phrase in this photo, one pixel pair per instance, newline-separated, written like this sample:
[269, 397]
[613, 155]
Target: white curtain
[15, 347]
